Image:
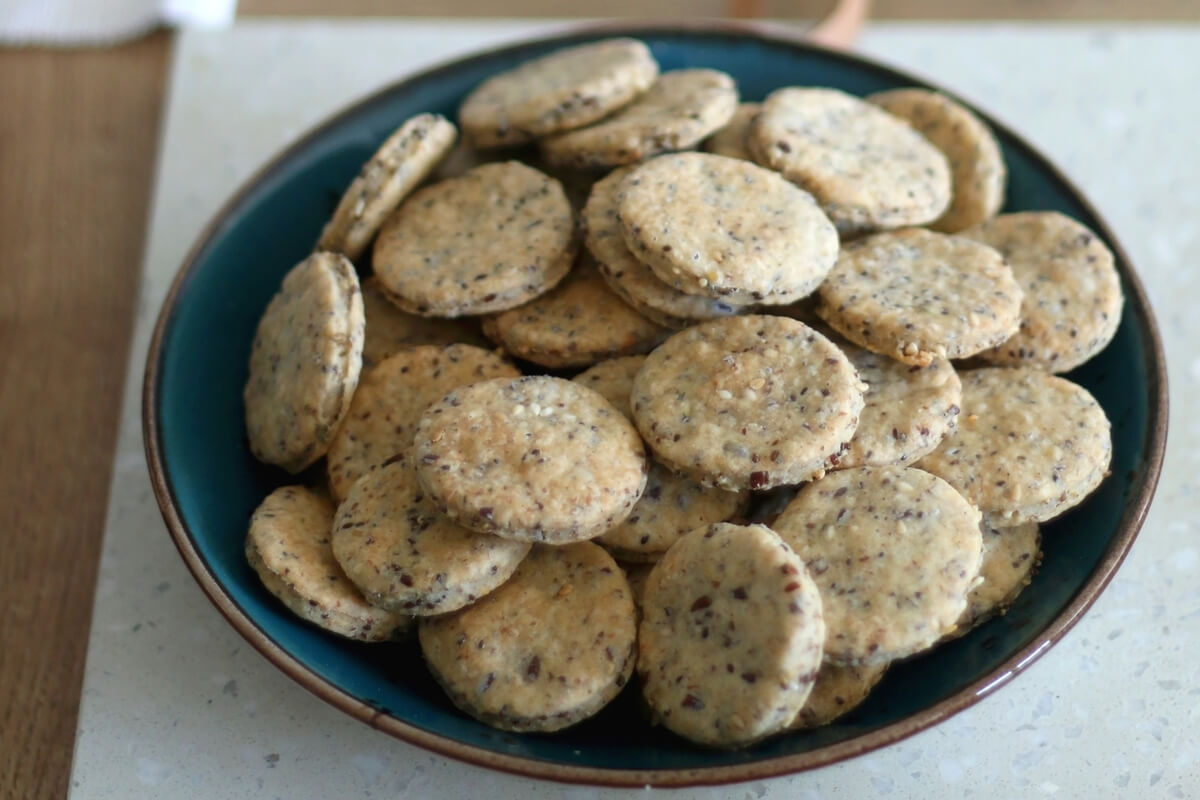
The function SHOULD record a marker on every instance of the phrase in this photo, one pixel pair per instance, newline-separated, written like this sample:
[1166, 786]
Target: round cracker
[579, 322]
[671, 506]
[401, 163]
[566, 89]
[907, 410]
[613, 380]
[535, 459]
[679, 110]
[838, 690]
[304, 362]
[730, 141]
[404, 555]
[893, 550]
[391, 398]
[707, 224]
[488, 240]
[868, 169]
[549, 648]
[632, 280]
[288, 546]
[1010, 557]
[464, 157]
[731, 633]
[577, 183]
[1027, 447]
[390, 330]
[977, 169]
[1072, 292]
[638, 575]
[747, 402]
[916, 295]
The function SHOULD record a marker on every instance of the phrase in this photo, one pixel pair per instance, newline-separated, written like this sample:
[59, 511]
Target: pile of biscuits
[750, 421]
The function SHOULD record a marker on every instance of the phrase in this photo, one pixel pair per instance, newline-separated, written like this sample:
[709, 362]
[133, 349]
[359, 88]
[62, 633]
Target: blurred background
[107, 21]
[781, 9]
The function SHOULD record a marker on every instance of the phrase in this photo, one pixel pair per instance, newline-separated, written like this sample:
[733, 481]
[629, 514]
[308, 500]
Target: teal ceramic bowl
[207, 483]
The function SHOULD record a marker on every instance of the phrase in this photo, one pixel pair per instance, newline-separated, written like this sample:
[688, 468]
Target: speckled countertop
[177, 705]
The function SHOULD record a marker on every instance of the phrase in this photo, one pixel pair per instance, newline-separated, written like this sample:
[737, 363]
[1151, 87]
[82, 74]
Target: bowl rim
[1129, 524]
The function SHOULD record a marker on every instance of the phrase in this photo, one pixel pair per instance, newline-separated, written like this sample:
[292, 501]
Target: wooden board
[77, 142]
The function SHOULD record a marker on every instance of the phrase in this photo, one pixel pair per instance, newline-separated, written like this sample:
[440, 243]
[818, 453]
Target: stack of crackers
[749, 422]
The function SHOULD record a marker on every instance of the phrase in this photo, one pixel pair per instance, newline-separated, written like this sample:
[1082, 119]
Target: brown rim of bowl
[1128, 526]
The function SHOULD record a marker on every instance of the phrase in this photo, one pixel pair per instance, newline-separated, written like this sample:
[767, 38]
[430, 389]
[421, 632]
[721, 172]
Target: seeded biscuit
[566, 89]
[1028, 445]
[579, 322]
[868, 169]
[634, 281]
[916, 295]
[638, 575]
[893, 550]
[658, 317]
[731, 633]
[304, 362]
[549, 648]
[977, 167]
[488, 240]
[1010, 556]
[535, 459]
[708, 224]
[747, 402]
[464, 157]
[755, 148]
[398, 167]
[730, 141]
[577, 183]
[677, 112]
[1073, 299]
[613, 380]
[671, 506]
[906, 412]
[838, 690]
[391, 398]
[390, 330]
[404, 555]
[288, 545]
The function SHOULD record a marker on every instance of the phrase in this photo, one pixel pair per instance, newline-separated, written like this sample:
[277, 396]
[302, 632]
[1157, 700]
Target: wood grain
[78, 138]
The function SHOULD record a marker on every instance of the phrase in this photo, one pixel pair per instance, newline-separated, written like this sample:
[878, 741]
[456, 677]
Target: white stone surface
[177, 705]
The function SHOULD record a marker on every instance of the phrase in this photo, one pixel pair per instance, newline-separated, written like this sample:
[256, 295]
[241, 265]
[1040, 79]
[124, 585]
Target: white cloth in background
[89, 22]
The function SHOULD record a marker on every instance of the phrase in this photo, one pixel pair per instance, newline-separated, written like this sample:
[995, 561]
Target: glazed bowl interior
[208, 484]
